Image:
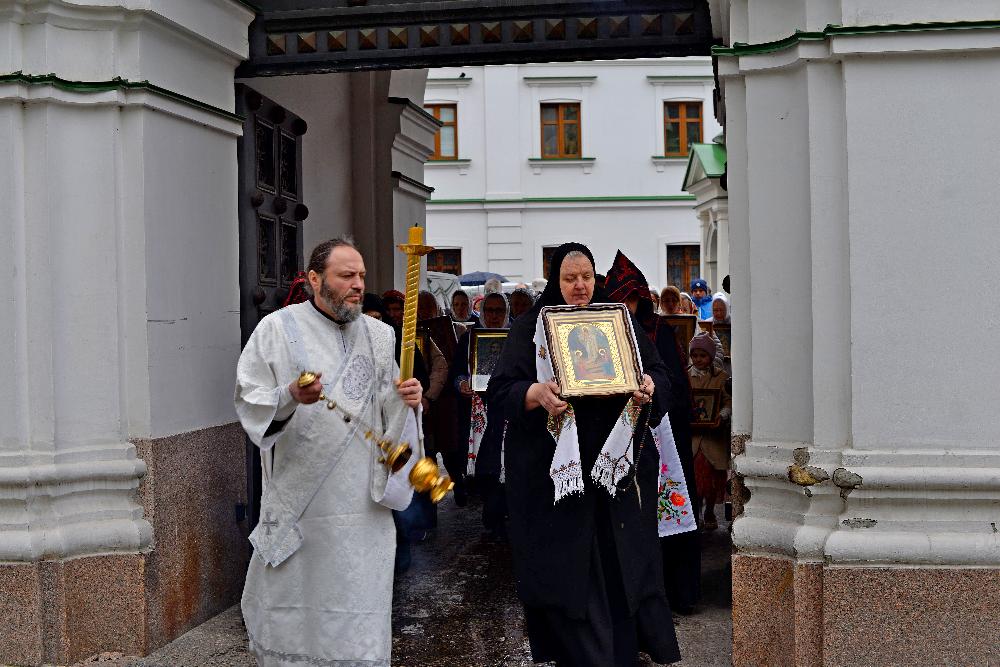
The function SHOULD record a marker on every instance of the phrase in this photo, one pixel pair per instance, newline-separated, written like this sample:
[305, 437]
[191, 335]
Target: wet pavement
[456, 607]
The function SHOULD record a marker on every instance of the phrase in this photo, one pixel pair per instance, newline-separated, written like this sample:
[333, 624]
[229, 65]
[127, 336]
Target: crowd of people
[597, 576]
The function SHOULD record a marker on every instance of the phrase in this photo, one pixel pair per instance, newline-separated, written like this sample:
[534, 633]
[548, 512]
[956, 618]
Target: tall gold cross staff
[414, 250]
[425, 475]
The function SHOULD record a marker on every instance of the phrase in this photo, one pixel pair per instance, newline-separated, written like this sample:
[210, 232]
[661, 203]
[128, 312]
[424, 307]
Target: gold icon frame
[616, 364]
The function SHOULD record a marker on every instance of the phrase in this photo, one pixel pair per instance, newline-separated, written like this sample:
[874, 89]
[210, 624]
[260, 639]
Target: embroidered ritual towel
[615, 460]
[673, 508]
[477, 429]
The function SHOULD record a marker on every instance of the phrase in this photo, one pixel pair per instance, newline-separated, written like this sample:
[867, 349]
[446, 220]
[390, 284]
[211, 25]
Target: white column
[95, 174]
[873, 468]
[720, 210]
[412, 145]
[739, 237]
[704, 225]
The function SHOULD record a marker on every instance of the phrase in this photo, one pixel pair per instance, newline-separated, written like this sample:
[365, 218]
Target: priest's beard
[341, 310]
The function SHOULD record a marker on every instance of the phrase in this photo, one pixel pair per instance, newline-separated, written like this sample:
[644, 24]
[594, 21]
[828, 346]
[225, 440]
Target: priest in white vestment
[319, 587]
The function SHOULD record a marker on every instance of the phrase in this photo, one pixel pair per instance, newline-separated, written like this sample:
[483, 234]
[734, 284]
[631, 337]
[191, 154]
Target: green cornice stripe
[117, 83]
[566, 200]
[742, 49]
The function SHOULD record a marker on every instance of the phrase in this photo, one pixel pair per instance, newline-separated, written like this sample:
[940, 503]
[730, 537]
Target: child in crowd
[711, 446]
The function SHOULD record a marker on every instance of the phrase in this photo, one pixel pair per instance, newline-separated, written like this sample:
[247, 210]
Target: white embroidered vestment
[319, 586]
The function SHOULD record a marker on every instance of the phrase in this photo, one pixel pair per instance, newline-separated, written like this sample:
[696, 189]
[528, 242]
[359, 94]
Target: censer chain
[371, 432]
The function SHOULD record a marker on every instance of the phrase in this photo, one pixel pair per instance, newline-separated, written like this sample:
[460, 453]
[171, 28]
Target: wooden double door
[271, 212]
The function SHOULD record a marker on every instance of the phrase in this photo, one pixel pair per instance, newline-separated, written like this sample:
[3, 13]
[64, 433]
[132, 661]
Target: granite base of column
[201, 552]
[59, 612]
[819, 615]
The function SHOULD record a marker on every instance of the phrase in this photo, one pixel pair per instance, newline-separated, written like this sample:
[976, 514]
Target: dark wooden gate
[271, 213]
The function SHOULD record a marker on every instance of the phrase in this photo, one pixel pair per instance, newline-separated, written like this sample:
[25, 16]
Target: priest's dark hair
[321, 253]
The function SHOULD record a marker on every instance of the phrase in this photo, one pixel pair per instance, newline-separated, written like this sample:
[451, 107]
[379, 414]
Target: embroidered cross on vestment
[268, 523]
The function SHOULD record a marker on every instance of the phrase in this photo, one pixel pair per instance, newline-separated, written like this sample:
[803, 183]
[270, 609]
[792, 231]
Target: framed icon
[485, 346]
[593, 349]
[707, 404]
[685, 327]
[725, 334]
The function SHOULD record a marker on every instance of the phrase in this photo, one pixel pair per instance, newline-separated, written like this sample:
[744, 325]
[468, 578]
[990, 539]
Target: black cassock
[587, 569]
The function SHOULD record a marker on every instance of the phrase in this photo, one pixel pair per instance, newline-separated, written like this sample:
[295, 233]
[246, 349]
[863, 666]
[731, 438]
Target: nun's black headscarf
[552, 296]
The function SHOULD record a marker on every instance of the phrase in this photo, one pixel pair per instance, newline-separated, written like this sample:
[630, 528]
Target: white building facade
[593, 152]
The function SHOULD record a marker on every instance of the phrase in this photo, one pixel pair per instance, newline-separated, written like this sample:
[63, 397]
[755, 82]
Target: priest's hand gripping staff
[425, 475]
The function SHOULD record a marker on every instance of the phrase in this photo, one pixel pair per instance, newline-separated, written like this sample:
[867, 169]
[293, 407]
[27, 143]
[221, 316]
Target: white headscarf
[506, 303]
[719, 296]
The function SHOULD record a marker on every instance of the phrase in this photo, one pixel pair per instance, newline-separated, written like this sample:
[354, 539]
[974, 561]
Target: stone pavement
[456, 607]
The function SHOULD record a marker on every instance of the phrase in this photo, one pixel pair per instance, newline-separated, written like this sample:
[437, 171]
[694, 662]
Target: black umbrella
[479, 278]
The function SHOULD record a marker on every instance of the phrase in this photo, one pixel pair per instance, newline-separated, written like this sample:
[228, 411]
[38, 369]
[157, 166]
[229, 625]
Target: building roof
[704, 161]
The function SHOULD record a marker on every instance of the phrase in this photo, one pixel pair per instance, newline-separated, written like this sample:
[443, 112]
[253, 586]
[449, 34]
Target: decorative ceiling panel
[312, 36]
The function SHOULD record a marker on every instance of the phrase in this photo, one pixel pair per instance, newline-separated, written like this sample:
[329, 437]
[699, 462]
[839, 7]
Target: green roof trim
[743, 49]
[712, 158]
[566, 200]
[117, 83]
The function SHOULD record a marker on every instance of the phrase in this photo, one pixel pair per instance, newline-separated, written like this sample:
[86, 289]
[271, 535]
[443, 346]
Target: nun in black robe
[588, 569]
[681, 553]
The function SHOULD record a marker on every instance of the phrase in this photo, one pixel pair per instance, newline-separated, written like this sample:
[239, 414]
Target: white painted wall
[925, 390]
[192, 255]
[118, 234]
[851, 200]
[502, 229]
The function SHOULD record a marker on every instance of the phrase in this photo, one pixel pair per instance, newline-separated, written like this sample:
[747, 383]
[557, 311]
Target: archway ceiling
[314, 36]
